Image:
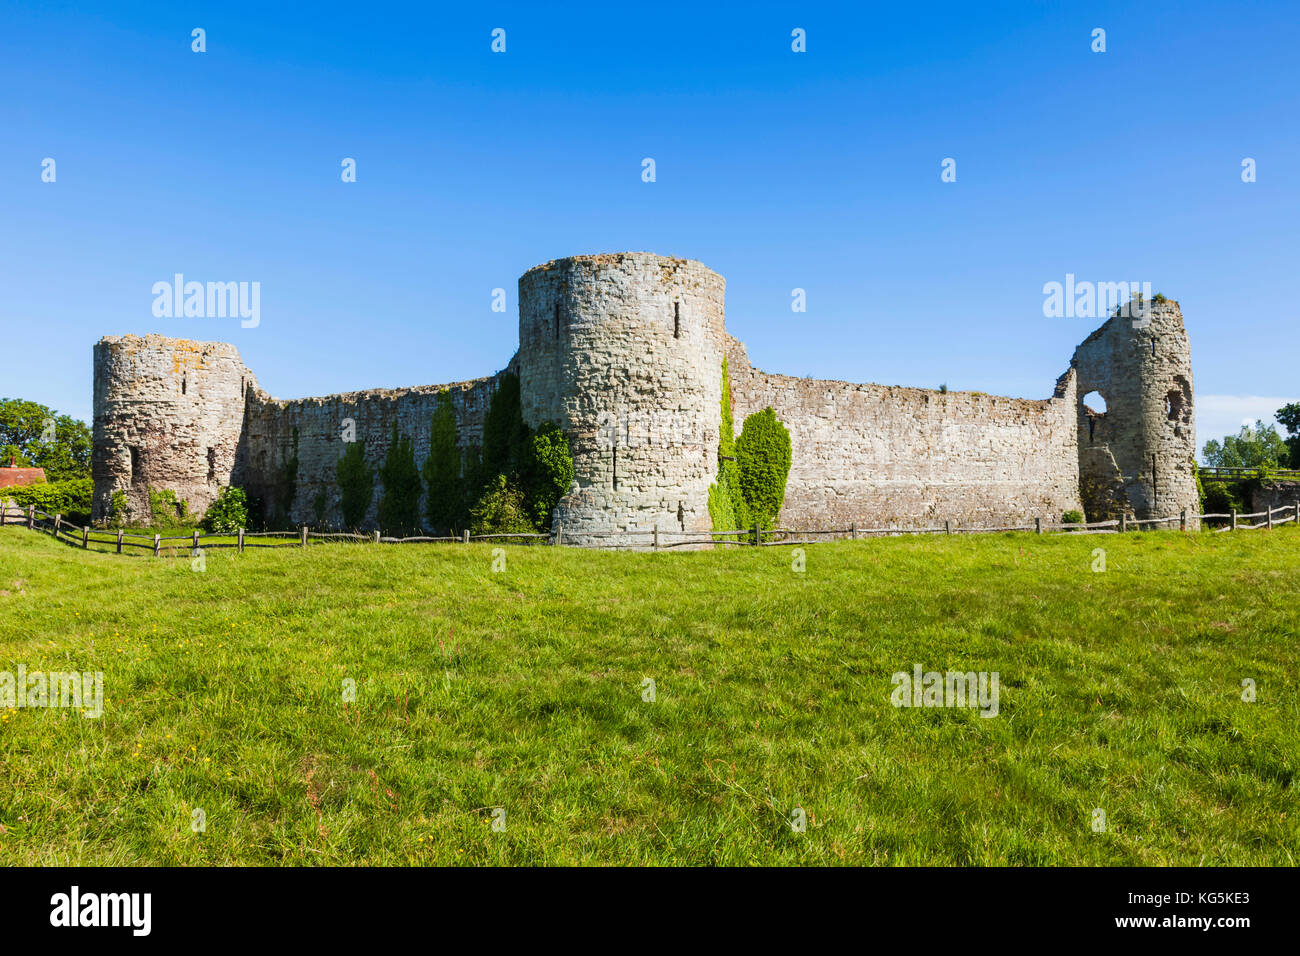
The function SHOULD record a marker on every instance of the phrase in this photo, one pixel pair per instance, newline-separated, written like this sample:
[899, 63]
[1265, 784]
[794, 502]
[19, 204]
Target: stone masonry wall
[624, 352]
[896, 457]
[169, 414]
[320, 424]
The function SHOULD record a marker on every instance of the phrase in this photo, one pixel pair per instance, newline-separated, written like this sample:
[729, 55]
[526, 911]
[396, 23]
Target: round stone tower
[169, 414]
[1138, 456]
[624, 352]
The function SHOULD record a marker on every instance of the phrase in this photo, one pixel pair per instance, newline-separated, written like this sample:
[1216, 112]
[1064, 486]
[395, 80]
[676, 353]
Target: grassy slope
[522, 689]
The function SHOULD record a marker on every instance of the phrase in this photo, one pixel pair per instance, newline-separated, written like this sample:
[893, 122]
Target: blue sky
[818, 170]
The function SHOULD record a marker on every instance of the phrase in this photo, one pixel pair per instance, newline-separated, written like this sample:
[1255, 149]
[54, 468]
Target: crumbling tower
[1138, 457]
[169, 413]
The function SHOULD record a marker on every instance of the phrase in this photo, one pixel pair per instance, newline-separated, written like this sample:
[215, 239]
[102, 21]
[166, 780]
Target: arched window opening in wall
[183, 383]
[1094, 407]
[557, 320]
[1178, 401]
[212, 464]
[677, 320]
[135, 465]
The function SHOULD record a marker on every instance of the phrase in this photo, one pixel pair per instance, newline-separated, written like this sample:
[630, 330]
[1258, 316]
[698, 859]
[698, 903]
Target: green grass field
[523, 690]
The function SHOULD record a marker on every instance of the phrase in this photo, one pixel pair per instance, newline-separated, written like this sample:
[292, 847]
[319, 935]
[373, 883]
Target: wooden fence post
[1123, 522]
[239, 543]
[853, 530]
[1297, 513]
[756, 533]
[157, 545]
[1182, 521]
[1234, 519]
[31, 517]
[464, 539]
[85, 537]
[196, 539]
[4, 511]
[304, 536]
[119, 541]
[1269, 509]
[377, 536]
[1038, 526]
[655, 546]
[947, 527]
[58, 520]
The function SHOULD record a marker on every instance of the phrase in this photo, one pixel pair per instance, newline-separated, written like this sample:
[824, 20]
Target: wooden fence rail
[654, 539]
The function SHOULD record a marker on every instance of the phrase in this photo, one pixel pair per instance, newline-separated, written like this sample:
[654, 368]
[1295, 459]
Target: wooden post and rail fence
[654, 538]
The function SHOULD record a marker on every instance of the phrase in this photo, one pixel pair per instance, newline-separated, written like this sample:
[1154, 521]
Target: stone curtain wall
[168, 413]
[1140, 455]
[320, 423]
[197, 421]
[623, 352]
[898, 457]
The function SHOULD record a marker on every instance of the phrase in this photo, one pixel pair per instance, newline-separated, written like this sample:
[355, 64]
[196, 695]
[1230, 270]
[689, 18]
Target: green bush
[356, 485]
[117, 506]
[286, 484]
[500, 510]
[1222, 497]
[1072, 517]
[228, 513]
[444, 485]
[399, 508]
[763, 453]
[166, 510]
[69, 498]
[549, 473]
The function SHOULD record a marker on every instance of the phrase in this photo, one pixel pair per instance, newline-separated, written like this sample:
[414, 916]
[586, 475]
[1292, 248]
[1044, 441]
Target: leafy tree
[727, 505]
[474, 479]
[1289, 416]
[399, 508]
[505, 436]
[501, 510]
[228, 513]
[356, 484]
[23, 430]
[318, 508]
[1257, 447]
[549, 473]
[763, 452]
[444, 486]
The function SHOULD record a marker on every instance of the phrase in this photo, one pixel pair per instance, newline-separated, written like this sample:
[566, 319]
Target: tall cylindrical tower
[169, 414]
[1139, 454]
[624, 353]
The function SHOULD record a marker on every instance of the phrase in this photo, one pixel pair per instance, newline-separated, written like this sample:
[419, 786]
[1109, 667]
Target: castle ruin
[624, 352]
